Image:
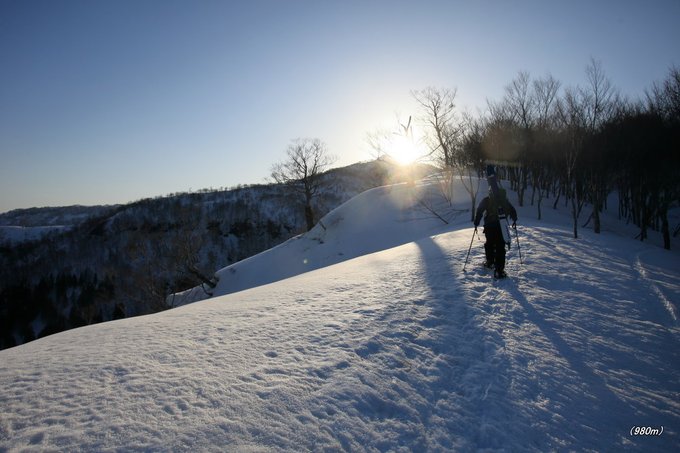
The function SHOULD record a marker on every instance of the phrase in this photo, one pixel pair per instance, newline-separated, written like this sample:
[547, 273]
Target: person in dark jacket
[492, 209]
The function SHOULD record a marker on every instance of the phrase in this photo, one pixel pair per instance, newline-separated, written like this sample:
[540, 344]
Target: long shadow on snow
[614, 336]
[470, 397]
[473, 400]
[590, 413]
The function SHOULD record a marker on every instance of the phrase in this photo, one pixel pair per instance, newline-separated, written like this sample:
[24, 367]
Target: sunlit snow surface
[397, 350]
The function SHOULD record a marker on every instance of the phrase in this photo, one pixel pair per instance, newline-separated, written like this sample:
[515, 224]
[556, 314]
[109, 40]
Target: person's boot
[499, 273]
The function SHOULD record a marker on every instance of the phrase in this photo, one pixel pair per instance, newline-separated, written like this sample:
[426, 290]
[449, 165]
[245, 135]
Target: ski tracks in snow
[660, 281]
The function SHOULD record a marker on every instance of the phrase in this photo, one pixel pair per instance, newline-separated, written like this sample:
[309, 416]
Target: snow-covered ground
[392, 349]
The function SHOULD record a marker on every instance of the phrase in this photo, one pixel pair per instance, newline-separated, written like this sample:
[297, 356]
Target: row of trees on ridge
[576, 144]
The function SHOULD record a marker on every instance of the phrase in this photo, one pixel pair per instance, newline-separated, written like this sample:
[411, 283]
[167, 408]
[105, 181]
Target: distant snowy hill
[53, 216]
[26, 225]
[393, 349]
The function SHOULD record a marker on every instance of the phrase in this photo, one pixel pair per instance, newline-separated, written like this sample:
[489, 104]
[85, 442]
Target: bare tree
[521, 101]
[378, 141]
[582, 113]
[449, 138]
[664, 101]
[545, 92]
[545, 95]
[601, 101]
[600, 96]
[306, 160]
[163, 262]
[573, 118]
[469, 160]
[664, 98]
[521, 105]
[439, 114]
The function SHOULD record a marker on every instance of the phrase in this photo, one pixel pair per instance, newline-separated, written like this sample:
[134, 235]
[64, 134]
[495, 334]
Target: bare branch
[306, 160]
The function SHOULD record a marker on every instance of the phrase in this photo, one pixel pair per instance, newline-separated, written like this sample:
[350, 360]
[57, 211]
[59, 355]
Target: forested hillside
[105, 263]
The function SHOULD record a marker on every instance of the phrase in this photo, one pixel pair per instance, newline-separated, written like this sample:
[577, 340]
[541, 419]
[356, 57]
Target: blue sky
[112, 101]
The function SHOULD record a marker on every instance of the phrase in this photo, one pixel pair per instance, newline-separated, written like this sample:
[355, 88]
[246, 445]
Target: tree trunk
[522, 184]
[574, 216]
[665, 229]
[597, 204]
[666, 233]
[309, 216]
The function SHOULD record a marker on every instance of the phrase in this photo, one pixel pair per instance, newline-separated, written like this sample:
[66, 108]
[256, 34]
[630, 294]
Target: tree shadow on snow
[486, 395]
[584, 409]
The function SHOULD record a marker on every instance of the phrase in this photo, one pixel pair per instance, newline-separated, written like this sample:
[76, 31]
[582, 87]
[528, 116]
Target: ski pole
[469, 248]
[519, 250]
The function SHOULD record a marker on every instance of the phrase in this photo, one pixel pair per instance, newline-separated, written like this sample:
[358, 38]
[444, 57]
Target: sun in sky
[406, 145]
[403, 142]
[405, 150]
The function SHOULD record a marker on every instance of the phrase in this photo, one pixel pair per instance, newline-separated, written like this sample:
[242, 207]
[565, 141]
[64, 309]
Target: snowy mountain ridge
[392, 349]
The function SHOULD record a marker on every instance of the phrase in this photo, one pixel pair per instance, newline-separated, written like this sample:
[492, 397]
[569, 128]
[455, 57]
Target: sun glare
[403, 150]
[406, 149]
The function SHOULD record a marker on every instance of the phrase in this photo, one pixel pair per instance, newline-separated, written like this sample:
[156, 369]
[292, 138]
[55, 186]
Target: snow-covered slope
[374, 220]
[396, 350]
